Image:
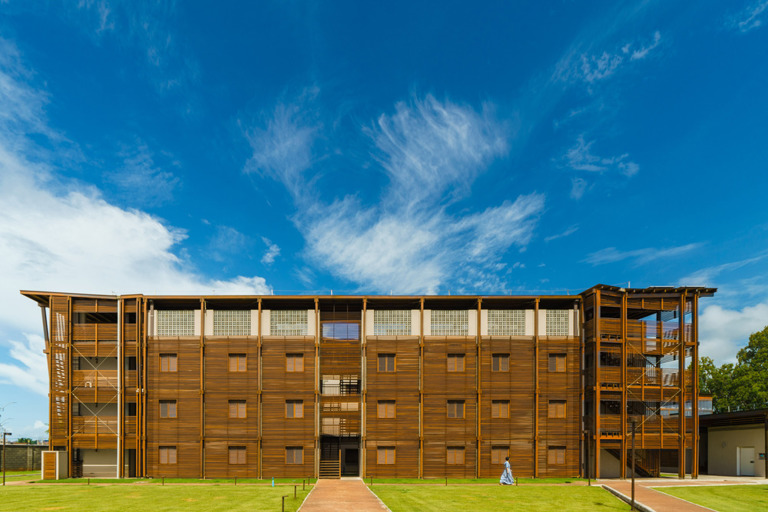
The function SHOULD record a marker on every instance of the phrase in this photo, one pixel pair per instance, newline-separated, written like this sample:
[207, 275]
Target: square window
[557, 363]
[499, 454]
[500, 409]
[237, 362]
[294, 408]
[500, 363]
[386, 409]
[168, 363]
[556, 455]
[167, 408]
[294, 362]
[454, 455]
[385, 455]
[557, 322]
[237, 409]
[294, 455]
[167, 454]
[386, 362]
[556, 409]
[455, 362]
[455, 408]
[237, 455]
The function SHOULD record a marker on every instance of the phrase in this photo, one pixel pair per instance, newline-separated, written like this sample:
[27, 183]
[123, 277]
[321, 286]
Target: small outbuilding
[734, 443]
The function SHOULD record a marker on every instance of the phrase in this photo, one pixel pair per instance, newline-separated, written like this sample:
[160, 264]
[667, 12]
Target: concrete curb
[627, 499]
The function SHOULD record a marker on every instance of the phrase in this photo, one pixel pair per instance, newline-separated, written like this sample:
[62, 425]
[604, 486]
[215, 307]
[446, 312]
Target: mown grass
[160, 481]
[724, 498]
[118, 498]
[462, 498]
[459, 481]
[15, 476]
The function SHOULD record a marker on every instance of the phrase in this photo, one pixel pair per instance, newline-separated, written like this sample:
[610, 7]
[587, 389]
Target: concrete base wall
[22, 457]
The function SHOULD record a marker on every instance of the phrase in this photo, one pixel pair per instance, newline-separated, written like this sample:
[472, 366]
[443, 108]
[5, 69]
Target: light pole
[4, 454]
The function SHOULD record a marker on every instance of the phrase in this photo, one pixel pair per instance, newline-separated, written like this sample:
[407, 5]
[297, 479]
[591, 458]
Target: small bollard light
[303, 483]
[163, 481]
[284, 502]
[294, 491]
[89, 481]
[446, 481]
[235, 480]
[371, 481]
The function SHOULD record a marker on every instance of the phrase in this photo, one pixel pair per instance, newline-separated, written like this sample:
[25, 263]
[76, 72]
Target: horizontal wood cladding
[406, 463]
[219, 464]
[517, 385]
[273, 353]
[223, 386]
[556, 432]
[184, 431]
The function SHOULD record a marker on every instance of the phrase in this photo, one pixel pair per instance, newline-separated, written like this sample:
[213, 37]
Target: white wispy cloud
[143, 182]
[569, 231]
[578, 187]
[706, 276]
[273, 251]
[63, 236]
[431, 151]
[642, 51]
[282, 142]
[749, 18]
[638, 256]
[582, 64]
[580, 158]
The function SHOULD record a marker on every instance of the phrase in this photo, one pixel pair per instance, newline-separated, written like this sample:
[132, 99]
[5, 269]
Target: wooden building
[382, 386]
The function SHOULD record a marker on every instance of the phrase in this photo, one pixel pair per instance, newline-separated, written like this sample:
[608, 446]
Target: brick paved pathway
[342, 495]
[653, 499]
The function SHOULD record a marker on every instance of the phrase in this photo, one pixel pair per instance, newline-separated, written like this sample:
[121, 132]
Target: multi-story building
[382, 386]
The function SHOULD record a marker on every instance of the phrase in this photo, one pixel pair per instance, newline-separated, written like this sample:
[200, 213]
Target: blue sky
[379, 147]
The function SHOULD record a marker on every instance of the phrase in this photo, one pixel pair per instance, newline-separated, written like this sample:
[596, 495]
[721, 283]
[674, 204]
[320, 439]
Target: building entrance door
[746, 460]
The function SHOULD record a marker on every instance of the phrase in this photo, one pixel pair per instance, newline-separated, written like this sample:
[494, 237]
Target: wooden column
[317, 387]
[260, 369]
[583, 469]
[364, 388]
[70, 455]
[536, 389]
[695, 383]
[623, 321]
[202, 388]
[421, 388]
[479, 388]
[681, 383]
[597, 384]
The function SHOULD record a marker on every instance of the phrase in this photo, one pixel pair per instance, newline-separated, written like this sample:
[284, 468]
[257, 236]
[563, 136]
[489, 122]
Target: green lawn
[441, 481]
[156, 498]
[724, 498]
[160, 481]
[14, 476]
[462, 498]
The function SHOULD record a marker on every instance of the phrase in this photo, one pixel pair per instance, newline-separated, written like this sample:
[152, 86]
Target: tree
[739, 387]
[26, 440]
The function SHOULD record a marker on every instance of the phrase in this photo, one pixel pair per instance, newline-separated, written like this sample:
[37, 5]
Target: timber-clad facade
[373, 386]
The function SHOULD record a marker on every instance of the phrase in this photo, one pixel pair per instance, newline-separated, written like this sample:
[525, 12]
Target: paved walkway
[662, 502]
[341, 495]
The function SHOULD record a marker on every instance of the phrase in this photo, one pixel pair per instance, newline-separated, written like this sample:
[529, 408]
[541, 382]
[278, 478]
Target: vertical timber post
[536, 389]
[681, 382]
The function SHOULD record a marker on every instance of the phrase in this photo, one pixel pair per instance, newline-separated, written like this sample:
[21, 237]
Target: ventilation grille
[231, 323]
[506, 322]
[391, 322]
[557, 322]
[450, 323]
[175, 323]
[288, 323]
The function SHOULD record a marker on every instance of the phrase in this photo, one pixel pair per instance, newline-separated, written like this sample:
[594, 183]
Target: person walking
[506, 476]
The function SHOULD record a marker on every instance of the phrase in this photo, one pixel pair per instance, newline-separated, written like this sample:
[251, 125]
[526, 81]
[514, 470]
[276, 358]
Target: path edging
[627, 499]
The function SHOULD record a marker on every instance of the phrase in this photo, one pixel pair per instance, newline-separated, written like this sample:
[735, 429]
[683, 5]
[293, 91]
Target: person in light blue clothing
[506, 476]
